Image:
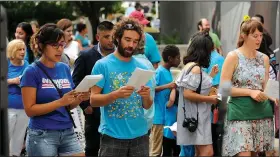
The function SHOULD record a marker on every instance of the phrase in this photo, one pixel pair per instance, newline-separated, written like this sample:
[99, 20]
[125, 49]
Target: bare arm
[172, 97]
[15, 80]
[32, 109]
[267, 66]
[98, 100]
[229, 66]
[195, 97]
[166, 86]
[147, 103]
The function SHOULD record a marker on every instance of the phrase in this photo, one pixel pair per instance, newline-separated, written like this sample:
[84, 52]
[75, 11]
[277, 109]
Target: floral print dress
[249, 135]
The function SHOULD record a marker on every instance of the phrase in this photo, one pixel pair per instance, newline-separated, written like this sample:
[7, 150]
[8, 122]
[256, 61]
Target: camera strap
[198, 90]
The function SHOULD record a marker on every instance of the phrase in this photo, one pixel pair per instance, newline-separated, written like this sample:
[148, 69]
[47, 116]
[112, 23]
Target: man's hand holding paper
[124, 91]
[140, 77]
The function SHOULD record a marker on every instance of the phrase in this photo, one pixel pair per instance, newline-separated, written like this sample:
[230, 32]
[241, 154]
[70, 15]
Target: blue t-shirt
[151, 49]
[33, 76]
[170, 119]
[14, 96]
[163, 76]
[124, 118]
[26, 57]
[84, 40]
[149, 114]
[216, 58]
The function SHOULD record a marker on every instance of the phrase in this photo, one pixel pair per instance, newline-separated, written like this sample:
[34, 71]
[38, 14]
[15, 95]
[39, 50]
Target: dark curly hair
[48, 34]
[126, 24]
[199, 50]
[170, 51]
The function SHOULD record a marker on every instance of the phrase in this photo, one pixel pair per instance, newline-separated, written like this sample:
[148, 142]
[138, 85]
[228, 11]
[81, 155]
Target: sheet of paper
[88, 82]
[139, 78]
[272, 89]
[173, 127]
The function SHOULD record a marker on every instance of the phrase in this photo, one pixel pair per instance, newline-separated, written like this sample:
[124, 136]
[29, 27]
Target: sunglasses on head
[129, 26]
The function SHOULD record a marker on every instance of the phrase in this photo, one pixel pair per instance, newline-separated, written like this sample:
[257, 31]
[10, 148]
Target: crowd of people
[46, 63]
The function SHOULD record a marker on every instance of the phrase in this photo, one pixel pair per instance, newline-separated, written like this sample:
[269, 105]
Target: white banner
[78, 122]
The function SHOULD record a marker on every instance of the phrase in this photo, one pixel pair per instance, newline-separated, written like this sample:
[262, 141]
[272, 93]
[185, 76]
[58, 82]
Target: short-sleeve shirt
[84, 40]
[163, 77]
[216, 58]
[151, 49]
[14, 96]
[149, 114]
[33, 76]
[215, 40]
[124, 118]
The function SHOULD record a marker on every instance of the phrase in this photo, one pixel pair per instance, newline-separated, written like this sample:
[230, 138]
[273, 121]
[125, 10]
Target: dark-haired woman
[82, 38]
[194, 103]
[48, 95]
[249, 122]
[24, 32]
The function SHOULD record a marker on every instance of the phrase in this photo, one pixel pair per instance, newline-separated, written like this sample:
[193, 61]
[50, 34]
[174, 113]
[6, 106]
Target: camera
[190, 124]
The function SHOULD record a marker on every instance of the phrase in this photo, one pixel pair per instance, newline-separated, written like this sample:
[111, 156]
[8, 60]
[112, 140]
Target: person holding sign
[123, 126]
[82, 67]
[48, 97]
[249, 123]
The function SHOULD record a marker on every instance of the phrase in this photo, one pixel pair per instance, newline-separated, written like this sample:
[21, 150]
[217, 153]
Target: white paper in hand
[139, 78]
[272, 89]
[88, 82]
[172, 128]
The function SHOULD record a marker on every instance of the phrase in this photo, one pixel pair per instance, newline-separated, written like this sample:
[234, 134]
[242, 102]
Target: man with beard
[123, 126]
[82, 67]
[204, 25]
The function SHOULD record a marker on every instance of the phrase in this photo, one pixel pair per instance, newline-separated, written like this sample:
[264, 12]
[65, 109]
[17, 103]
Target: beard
[108, 48]
[206, 29]
[123, 51]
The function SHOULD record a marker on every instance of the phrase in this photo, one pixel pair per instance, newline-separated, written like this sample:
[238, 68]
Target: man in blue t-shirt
[150, 47]
[123, 126]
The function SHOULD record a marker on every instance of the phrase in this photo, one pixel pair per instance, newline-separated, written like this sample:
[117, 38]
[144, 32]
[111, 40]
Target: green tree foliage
[52, 11]
[43, 12]
[94, 9]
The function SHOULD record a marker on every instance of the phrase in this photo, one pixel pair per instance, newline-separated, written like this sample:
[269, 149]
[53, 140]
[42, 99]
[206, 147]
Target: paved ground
[276, 146]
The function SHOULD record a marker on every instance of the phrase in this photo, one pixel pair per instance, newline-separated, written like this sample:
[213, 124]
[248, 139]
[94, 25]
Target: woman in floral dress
[249, 121]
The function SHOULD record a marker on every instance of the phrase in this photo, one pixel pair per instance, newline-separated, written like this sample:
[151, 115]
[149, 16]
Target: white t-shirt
[72, 50]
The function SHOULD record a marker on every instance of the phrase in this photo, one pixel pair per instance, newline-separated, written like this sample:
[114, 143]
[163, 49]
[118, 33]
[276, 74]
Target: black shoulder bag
[59, 92]
[191, 123]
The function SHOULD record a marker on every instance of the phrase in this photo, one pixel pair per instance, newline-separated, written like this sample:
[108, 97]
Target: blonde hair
[13, 46]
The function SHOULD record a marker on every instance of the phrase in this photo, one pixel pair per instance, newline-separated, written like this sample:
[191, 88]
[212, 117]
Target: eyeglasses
[57, 45]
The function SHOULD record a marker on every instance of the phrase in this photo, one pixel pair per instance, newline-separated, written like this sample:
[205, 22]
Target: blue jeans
[52, 142]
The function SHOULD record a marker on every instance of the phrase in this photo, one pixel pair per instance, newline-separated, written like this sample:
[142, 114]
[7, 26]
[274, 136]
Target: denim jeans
[52, 142]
